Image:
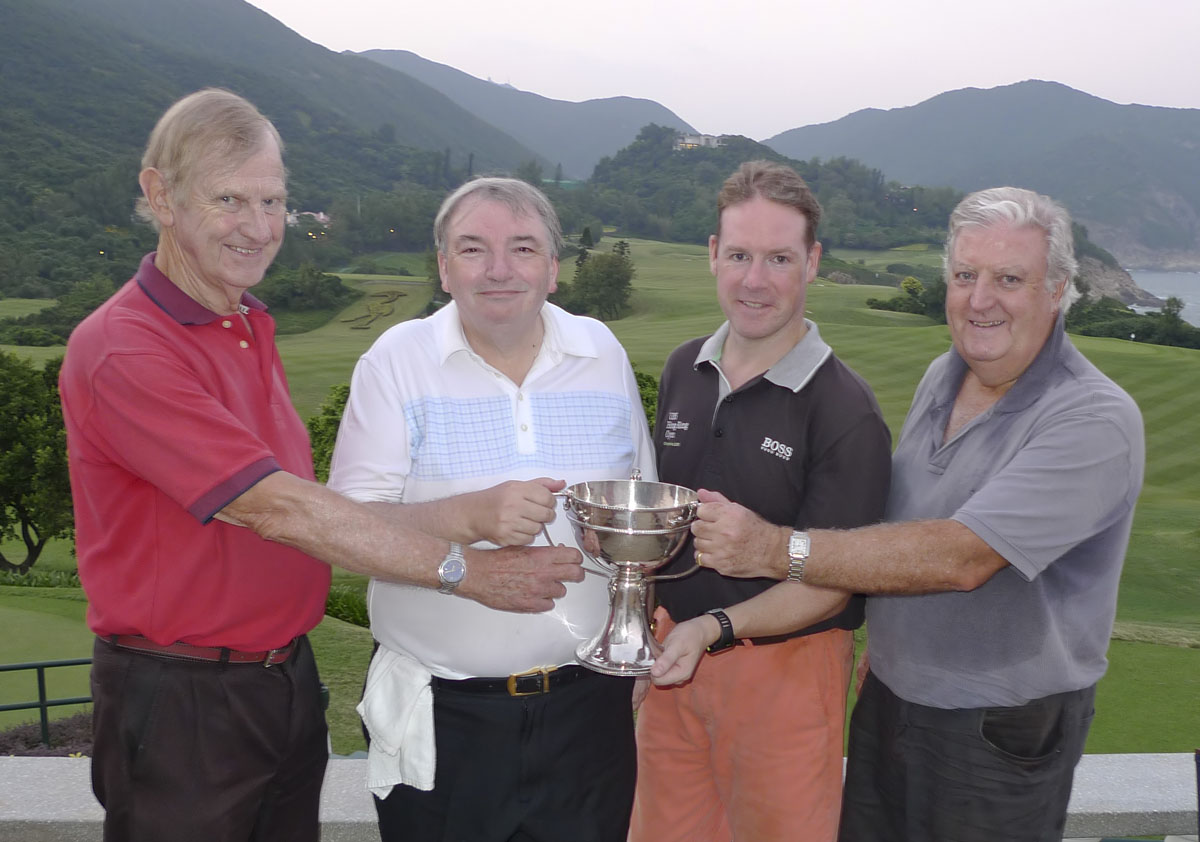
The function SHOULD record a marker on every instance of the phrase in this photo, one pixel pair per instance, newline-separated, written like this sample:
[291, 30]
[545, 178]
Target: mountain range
[81, 84]
[1130, 173]
[573, 134]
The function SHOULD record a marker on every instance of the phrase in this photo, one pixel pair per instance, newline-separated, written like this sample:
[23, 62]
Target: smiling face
[498, 267]
[763, 267]
[220, 240]
[997, 305]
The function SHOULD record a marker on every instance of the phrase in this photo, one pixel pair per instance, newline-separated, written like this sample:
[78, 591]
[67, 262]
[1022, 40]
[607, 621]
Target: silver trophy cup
[630, 527]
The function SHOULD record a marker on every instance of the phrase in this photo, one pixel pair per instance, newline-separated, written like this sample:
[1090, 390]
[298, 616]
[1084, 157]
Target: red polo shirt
[172, 411]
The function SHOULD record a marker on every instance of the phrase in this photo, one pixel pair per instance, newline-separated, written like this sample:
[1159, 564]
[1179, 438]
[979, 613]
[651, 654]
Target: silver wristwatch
[452, 570]
[797, 556]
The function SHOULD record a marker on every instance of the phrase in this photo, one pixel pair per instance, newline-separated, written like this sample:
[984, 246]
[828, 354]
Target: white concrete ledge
[49, 799]
[1133, 795]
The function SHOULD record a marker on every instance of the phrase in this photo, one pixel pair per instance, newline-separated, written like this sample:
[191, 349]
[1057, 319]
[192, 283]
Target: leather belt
[188, 652]
[535, 682]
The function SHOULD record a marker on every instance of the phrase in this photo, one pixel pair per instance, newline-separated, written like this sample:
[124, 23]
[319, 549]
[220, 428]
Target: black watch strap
[727, 639]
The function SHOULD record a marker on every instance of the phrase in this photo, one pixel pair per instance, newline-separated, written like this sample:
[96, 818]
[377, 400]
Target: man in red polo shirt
[203, 541]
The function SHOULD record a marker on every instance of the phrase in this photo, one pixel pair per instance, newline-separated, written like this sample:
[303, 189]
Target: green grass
[343, 652]
[1147, 701]
[42, 625]
[56, 555]
[918, 254]
[13, 308]
[38, 354]
[317, 360]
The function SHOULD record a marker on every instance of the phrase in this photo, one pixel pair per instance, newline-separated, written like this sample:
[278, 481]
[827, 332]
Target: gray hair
[1019, 207]
[521, 197]
[209, 125]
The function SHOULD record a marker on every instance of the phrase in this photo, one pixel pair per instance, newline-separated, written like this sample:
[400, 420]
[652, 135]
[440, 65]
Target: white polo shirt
[427, 419]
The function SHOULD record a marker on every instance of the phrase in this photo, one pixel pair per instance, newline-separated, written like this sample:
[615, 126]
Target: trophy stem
[625, 646]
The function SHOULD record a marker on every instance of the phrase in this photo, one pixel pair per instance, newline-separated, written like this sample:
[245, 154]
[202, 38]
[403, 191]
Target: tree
[35, 488]
[912, 286]
[306, 288]
[648, 391]
[585, 238]
[603, 284]
[1171, 322]
[323, 428]
[933, 301]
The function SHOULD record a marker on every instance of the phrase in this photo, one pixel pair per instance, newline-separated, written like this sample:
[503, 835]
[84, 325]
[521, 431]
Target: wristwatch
[726, 640]
[797, 556]
[452, 570]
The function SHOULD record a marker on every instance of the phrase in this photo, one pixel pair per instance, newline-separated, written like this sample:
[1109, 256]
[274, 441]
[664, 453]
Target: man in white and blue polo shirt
[463, 424]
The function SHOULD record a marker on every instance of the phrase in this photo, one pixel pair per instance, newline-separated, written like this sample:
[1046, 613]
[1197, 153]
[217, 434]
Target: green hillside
[112, 66]
[84, 84]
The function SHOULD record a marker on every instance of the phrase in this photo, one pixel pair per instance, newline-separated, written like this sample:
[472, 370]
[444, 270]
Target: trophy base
[631, 659]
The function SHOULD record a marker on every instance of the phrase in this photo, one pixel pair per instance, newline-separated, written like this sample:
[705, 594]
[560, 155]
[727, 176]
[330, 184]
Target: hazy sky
[760, 67]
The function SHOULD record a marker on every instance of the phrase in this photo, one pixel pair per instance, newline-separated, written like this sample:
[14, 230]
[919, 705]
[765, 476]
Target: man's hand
[512, 513]
[522, 579]
[683, 648]
[641, 689]
[735, 541]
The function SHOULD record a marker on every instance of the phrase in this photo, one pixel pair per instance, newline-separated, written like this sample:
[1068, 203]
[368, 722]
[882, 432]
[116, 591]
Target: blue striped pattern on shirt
[465, 437]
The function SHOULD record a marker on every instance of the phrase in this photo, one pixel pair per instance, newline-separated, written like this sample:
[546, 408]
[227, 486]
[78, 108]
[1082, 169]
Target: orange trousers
[750, 749]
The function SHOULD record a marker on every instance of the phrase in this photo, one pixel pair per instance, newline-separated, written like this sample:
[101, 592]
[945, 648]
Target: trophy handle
[669, 576]
[599, 562]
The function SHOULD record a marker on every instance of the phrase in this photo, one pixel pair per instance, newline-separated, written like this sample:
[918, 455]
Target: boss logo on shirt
[673, 427]
[775, 448]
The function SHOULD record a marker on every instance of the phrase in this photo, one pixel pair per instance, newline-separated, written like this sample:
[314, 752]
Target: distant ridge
[575, 134]
[1131, 173]
[145, 53]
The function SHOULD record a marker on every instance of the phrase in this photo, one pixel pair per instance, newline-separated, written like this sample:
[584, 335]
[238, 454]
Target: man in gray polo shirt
[994, 584]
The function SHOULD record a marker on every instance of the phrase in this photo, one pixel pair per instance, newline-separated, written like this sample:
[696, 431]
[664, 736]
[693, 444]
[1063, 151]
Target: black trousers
[922, 774]
[559, 767]
[205, 751]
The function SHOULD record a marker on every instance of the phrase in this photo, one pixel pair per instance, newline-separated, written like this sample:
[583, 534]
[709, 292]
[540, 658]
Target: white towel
[397, 708]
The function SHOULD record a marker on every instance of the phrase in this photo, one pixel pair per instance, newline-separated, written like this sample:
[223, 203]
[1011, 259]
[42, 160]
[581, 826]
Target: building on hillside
[683, 140]
[296, 217]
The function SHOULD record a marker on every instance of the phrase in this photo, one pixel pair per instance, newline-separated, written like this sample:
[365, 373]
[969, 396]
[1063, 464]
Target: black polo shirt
[803, 445]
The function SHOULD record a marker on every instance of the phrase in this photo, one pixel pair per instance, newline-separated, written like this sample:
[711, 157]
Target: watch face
[798, 545]
[452, 570]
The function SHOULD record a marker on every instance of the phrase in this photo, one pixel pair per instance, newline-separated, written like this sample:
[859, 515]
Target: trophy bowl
[630, 527]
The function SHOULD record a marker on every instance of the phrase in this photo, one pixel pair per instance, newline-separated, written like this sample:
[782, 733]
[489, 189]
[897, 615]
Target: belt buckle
[271, 653]
[513, 680]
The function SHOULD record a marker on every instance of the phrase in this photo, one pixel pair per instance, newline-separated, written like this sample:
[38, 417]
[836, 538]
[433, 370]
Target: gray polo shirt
[1048, 477]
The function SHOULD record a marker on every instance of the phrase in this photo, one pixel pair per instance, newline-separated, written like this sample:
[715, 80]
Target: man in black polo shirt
[747, 743]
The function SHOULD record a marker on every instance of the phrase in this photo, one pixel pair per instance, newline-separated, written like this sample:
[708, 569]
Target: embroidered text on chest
[776, 448]
[674, 425]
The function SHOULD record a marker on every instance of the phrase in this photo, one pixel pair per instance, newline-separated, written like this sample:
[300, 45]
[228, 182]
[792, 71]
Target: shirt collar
[175, 302]
[794, 369]
[558, 339]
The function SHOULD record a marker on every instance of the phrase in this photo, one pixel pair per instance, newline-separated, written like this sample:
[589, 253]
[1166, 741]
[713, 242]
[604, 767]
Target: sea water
[1183, 285]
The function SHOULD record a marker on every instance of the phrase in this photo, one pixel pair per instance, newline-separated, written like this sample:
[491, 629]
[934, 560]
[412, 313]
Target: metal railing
[43, 704]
